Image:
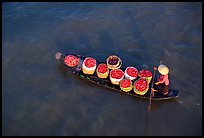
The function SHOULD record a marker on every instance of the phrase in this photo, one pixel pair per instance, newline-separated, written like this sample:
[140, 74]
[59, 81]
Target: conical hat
[163, 69]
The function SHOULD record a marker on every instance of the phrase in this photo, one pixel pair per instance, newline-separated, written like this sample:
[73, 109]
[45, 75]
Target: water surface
[39, 97]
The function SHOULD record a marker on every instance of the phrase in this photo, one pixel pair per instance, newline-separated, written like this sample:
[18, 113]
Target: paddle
[151, 93]
[149, 106]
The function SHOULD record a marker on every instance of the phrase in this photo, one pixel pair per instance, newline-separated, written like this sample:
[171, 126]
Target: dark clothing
[162, 88]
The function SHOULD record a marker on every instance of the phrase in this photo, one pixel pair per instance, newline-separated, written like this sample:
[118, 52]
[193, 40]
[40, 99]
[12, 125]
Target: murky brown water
[40, 98]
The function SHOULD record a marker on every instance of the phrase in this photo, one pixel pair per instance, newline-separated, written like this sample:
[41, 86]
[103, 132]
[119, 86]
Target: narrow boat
[77, 70]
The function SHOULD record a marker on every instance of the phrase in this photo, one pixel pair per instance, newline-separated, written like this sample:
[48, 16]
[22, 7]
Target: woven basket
[141, 92]
[102, 75]
[117, 66]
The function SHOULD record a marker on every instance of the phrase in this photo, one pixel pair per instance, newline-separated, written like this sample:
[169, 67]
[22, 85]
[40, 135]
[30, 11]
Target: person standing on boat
[163, 82]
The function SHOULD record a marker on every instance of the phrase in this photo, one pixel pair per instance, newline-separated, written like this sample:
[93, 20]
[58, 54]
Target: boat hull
[105, 82]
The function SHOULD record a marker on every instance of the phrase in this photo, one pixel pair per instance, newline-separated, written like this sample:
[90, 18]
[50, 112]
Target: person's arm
[155, 68]
[163, 80]
[157, 83]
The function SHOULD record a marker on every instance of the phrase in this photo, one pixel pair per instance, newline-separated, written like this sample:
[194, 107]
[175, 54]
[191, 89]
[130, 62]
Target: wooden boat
[77, 70]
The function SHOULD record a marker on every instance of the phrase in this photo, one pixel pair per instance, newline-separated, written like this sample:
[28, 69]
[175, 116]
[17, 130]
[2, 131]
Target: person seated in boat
[163, 82]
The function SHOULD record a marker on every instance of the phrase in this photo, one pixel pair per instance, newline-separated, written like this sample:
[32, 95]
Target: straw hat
[163, 69]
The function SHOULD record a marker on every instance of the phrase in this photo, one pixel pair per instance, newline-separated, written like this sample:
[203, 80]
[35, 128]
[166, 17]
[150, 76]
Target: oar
[151, 92]
[149, 106]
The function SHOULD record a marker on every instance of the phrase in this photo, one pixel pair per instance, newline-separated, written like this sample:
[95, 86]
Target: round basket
[128, 88]
[102, 75]
[140, 92]
[117, 66]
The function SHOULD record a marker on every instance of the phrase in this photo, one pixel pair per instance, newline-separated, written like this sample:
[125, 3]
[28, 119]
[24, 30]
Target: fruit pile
[141, 86]
[126, 85]
[113, 61]
[90, 62]
[89, 66]
[131, 73]
[146, 74]
[102, 70]
[116, 75]
[71, 60]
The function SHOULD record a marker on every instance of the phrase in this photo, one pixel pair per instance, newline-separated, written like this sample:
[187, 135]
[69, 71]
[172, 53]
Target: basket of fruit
[141, 86]
[146, 74]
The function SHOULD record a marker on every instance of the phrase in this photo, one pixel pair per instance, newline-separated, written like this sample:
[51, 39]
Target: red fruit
[71, 60]
[131, 71]
[145, 73]
[125, 83]
[141, 84]
[89, 62]
[102, 68]
[116, 73]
